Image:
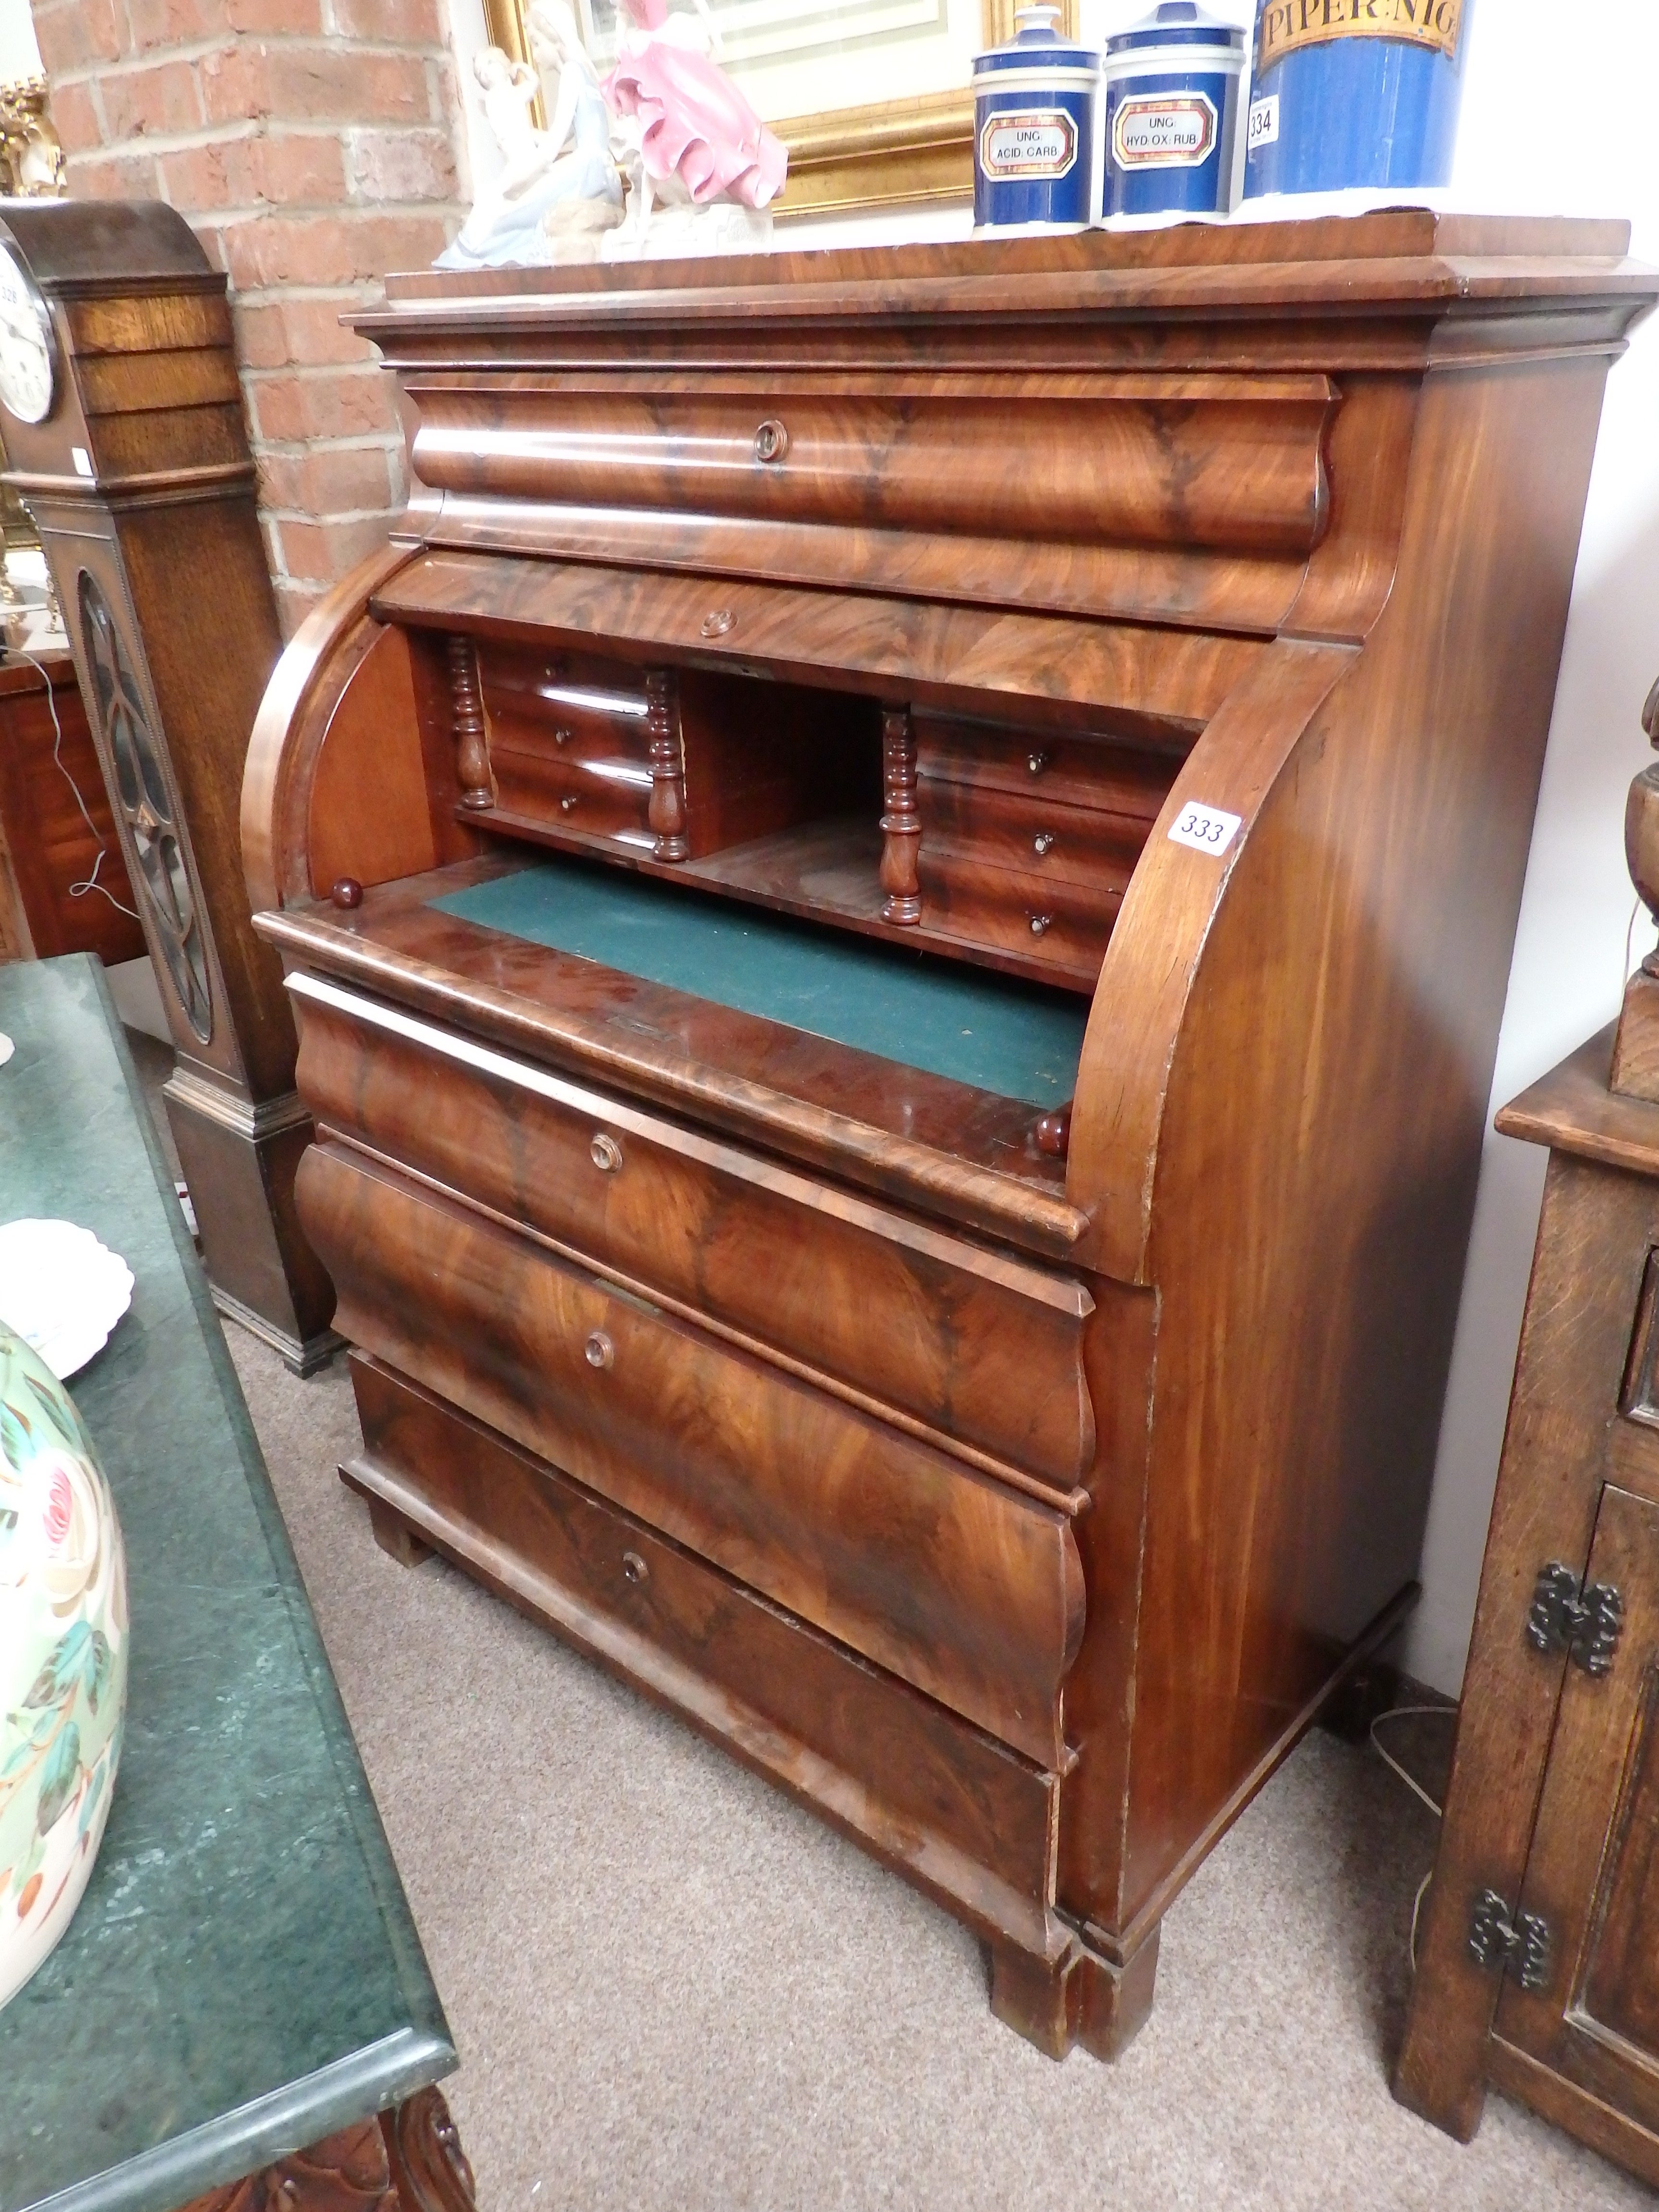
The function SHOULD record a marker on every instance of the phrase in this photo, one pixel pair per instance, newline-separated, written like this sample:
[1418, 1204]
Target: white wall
[1557, 119]
[19, 56]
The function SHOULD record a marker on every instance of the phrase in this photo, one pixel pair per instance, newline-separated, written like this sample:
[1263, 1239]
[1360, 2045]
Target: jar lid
[1037, 44]
[1177, 23]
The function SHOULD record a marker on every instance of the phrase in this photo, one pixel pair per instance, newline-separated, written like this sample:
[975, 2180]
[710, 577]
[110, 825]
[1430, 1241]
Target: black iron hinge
[1584, 1623]
[1503, 1942]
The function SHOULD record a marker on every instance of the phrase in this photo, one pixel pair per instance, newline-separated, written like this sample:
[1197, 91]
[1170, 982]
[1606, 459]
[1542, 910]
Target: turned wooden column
[900, 824]
[138, 478]
[667, 816]
[1636, 1048]
[471, 736]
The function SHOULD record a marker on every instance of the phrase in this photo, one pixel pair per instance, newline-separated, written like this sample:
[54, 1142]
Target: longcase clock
[123, 421]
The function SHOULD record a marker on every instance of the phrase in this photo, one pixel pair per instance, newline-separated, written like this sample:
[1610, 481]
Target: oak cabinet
[1538, 1954]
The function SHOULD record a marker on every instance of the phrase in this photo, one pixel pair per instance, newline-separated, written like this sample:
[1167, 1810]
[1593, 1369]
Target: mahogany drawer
[602, 795]
[1045, 917]
[966, 1588]
[983, 1349]
[962, 1813]
[578, 707]
[1094, 772]
[1029, 833]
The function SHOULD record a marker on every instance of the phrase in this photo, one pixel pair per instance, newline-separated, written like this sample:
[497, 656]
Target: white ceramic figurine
[549, 204]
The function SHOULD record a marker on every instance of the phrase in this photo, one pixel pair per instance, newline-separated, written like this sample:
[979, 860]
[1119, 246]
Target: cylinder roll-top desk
[898, 891]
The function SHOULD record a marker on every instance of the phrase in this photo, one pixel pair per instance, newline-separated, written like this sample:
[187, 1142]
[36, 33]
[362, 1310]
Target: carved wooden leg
[423, 2150]
[406, 2160]
[394, 1535]
[901, 822]
[1037, 1999]
[667, 814]
[471, 738]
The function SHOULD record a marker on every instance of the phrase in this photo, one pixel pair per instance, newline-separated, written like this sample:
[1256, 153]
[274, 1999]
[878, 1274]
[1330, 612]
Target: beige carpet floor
[672, 1991]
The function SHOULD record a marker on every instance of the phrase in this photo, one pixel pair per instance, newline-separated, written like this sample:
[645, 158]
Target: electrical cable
[91, 882]
[1630, 934]
[1406, 1712]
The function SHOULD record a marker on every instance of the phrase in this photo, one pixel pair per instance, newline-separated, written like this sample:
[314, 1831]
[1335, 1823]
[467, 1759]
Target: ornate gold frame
[858, 161]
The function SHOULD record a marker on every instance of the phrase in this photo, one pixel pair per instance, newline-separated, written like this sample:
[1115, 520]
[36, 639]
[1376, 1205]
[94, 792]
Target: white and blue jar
[1035, 115]
[1355, 94]
[1172, 94]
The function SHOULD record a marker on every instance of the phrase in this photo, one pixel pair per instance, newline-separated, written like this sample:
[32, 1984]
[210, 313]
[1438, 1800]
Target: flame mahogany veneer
[1012, 1486]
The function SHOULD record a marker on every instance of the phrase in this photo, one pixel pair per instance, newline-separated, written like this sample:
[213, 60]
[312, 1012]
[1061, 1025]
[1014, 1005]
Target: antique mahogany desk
[898, 892]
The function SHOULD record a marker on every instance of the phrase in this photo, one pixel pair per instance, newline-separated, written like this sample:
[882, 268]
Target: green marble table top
[242, 1976]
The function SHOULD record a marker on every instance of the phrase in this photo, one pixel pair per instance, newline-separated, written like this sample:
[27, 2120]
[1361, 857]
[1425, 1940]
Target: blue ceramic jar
[1355, 93]
[1035, 129]
[1172, 87]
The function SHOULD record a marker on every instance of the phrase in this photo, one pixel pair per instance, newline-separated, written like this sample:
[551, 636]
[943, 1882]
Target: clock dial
[28, 366]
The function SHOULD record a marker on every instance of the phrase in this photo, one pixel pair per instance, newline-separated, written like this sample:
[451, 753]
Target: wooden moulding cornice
[1334, 267]
[1573, 1110]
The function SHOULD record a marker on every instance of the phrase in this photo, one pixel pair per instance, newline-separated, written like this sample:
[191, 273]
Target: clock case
[141, 484]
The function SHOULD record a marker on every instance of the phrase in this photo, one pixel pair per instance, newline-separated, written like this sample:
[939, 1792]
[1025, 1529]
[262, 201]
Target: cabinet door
[1593, 1873]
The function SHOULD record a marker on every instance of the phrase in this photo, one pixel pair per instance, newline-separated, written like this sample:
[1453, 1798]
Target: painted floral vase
[63, 1659]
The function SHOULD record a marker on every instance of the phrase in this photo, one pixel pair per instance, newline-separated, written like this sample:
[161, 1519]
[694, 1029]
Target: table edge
[285, 2120]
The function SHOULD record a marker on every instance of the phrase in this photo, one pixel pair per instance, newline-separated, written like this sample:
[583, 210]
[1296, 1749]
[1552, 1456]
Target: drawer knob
[1042, 924]
[771, 440]
[566, 806]
[1044, 843]
[601, 1350]
[348, 894]
[718, 623]
[1036, 762]
[605, 1154]
[635, 1568]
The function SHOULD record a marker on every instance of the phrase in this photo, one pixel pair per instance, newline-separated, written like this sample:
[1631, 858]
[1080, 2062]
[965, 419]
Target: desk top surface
[242, 1976]
[1017, 1040]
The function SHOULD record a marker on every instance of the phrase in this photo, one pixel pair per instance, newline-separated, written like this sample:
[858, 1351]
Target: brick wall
[314, 146]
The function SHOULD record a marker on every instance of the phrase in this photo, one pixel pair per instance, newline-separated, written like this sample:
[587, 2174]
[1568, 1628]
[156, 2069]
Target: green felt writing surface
[1019, 1040]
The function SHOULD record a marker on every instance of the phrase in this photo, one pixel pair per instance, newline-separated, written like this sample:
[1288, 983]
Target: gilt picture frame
[914, 149]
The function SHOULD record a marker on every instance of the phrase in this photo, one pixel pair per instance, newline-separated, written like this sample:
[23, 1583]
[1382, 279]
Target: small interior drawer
[1098, 772]
[571, 700]
[601, 796]
[1032, 832]
[1043, 917]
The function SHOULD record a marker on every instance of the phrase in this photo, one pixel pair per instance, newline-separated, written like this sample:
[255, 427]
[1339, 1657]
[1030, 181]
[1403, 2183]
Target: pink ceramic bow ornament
[695, 127]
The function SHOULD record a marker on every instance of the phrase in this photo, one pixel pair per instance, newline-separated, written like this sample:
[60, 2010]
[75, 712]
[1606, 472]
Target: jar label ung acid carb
[1028, 143]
